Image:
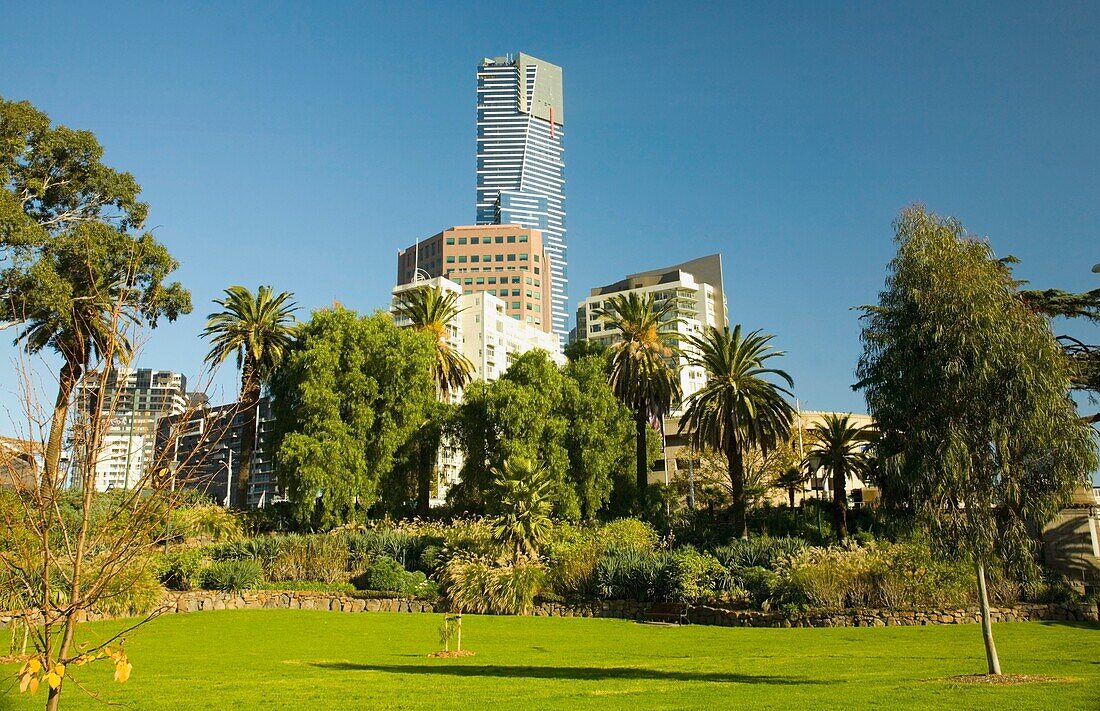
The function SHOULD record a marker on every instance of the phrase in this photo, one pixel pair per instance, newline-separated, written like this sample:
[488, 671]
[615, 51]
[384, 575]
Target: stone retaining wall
[200, 600]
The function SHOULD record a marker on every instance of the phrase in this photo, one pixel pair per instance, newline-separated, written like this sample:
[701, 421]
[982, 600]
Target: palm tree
[839, 447]
[259, 328]
[791, 479]
[525, 504]
[431, 310]
[641, 375]
[737, 409]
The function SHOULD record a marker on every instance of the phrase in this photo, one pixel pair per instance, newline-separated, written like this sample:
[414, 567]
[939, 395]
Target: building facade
[132, 402]
[520, 159]
[490, 338]
[505, 261]
[203, 449]
[696, 289]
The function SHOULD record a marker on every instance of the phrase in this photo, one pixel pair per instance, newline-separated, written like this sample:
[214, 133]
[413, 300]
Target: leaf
[34, 666]
[53, 680]
[122, 671]
[34, 685]
[24, 682]
[59, 669]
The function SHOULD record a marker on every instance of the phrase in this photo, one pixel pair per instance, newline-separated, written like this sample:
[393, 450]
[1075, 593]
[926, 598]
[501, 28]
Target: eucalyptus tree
[838, 445]
[737, 409]
[431, 310]
[968, 388]
[643, 375]
[258, 329]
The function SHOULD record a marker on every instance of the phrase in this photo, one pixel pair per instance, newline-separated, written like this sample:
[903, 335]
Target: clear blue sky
[302, 147]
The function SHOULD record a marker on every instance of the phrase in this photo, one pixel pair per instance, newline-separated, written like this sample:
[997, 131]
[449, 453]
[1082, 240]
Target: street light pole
[228, 476]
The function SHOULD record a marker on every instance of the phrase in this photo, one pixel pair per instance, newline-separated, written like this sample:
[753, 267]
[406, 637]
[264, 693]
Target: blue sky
[303, 146]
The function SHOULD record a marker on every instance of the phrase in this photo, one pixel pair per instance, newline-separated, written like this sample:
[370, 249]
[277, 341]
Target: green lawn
[297, 659]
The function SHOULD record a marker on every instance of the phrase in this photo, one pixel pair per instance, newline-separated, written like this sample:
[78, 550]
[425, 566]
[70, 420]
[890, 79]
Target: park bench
[667, 612]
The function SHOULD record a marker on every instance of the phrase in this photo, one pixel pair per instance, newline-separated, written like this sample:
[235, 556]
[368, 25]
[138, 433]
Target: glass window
[462, 240]
[523, 238]
[499, 257]
[473, 240]
[450, 259]
[515, 304]
[511, 239]
[515, 280]
[511, 257]
[450, 240]
[467, 281]
[480, 280]
[523, 257]
[487, 258]
[499, 239]
[536, 270]
[528, 280]
[515, 292]
[492, 280]
[474, 258]
[462, 259]
[536, 257]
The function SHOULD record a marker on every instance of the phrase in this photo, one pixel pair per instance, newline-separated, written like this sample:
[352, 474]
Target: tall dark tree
[643, 372]
[738, 409]
[258, 329]
[968, 388]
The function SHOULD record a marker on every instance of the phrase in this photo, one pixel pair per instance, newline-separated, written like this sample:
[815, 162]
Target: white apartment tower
[520, 158]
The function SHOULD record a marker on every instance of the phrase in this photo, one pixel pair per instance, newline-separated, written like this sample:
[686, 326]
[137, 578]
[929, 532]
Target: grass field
[297, 659]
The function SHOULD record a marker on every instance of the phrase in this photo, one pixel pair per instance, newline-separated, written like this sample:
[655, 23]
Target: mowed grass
[297, 659]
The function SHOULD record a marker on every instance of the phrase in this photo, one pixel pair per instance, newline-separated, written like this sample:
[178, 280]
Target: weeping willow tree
[970, 391]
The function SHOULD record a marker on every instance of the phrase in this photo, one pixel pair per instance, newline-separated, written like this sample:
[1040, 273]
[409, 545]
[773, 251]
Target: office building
[520, 159]
[505, 261]
[202, 447]
[696, 288]
[132, 402]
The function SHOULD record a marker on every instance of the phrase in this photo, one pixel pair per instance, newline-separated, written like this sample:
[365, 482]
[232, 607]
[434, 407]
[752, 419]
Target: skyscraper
[520, 164]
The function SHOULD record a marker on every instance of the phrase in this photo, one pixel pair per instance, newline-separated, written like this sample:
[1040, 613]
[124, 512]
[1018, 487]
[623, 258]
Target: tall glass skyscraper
[520, 163]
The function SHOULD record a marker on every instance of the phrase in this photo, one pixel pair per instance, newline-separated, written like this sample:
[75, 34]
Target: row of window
[499, 239]
[476, 258]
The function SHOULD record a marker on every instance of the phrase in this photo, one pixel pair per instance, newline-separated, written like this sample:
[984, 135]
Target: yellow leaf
[53, 680]
[34, 665]
[34, 684]
[122, 671]
[59, 669]
[24, 682]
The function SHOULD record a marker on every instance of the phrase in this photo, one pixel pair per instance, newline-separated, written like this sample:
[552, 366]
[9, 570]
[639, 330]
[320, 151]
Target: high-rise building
[131, 403]
[520, 161]
[505, 261]
[695, 287]
[202, 449]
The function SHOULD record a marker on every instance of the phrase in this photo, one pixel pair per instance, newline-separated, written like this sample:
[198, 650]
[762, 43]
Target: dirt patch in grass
[452, 654]
[1005, 679]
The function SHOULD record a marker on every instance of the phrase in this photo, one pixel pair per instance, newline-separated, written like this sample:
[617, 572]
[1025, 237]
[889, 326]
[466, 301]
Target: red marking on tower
[551, 122]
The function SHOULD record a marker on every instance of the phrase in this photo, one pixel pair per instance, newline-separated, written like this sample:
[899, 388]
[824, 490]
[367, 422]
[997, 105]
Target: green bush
[232, 575]
[386, 574]
[179, 569]
[263, 549]
[629, 534]
[909, 576]
[321, 558]
[761, 552]
[831, 578]
[695, 576]
[633, 574]
[572, 557]
[430, 558]
[479, 584]
[310, 586]
[760, 585]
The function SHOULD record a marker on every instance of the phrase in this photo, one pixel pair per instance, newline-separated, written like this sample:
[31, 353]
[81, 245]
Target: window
[536, 257]
[450, 240]
[474, 258]
[528, 280]
[467, 280]
[499, 239]
[523, 238]
[499, 257]
[528, 307]
[480, 280]
[511, 239]
[515, 280]
[487, 258]
[537, 283]
[523, 257]
[450, 259]
[462, 240]
[462, 259]
[492, 280]
[473, 240]
[515, 292]
[511, 257]
[536, 270]
[529, 295]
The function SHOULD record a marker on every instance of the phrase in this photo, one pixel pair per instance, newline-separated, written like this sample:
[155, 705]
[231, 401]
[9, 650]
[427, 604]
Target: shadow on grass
[573, 673]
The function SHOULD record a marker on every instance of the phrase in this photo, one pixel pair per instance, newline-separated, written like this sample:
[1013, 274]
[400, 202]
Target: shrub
[320, 557]
[633, 574]
[311, 586]
[263, 549]
[908, 575]
[386, 574]
[573, 556]
[760, 552]
[365, 546]
[135, 590]
[831, 578]
[760, 585]
[232, 575]
[430, 558]
[179, 570]
[479, 584]
[206, 522]
[629, 534]
[695, 576]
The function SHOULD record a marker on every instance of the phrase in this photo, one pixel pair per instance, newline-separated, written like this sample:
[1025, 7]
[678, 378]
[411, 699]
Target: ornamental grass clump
[232, 575]
[479, 584]
[322, 558]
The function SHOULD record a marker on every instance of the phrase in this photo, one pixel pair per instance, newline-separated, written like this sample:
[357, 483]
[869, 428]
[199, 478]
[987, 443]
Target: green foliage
[524, 520]
[431, 310]
[179, 569]
[134, 590]
[629, 534]
[633, 574]
[323, 558]
[365, 546]
[232, 575]
[760, 552]
[310, 586]
[695, 576]
[206, 522]
[572, 555]
[478, 584]
[351, 391]
[969, 389]
[386, 574]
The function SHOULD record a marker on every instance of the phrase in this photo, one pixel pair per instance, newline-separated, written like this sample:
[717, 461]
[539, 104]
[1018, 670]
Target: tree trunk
[790, 495]
[993, 662]
[250, 405]
[736, 470]
[840, 504]
[69, 377]
[641, 454]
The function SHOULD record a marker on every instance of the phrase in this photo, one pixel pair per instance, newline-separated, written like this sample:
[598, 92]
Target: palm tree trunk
[790, 496]
[250, 405]
[993, 662]
[69, 377]
[641, 453]
[736, 470]
[840, 504]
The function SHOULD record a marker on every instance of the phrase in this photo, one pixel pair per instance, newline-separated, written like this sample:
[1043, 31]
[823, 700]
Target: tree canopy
[350, 392]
